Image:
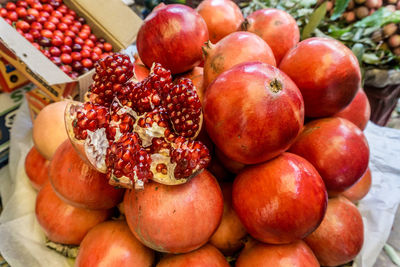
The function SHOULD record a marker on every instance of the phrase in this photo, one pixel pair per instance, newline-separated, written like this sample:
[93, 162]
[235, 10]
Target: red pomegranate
[268, 197]
[175, 219]
[229, 164]
[221, 16]
[338, 150]
[207, 255]
[78, 184]
[253, 112]
[62, 222]
[276, 27]
[112, 244]
[36, 168]
[233, 49]
[296, 254]
[340, 236]
[172, 35]
[197, 77]
[358, 111]
[230, 232]
[141, 71]
[326, 72]
[360, 189]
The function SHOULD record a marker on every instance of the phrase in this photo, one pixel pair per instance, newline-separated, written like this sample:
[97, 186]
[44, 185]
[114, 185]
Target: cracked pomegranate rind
[138, 131]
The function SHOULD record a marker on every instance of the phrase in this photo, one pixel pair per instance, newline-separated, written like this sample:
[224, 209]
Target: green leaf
[316, 17]
[340, 7]
[379, 18]
[358, 50]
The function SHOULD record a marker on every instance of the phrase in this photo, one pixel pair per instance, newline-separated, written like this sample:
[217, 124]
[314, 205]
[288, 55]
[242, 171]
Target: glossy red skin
[276, 27]
[78, 184]
[246, 119]
[296, 254]
[207, 255]
[175, 219]
[340, 236]
[268, 197]
[172, 36]
[233, 49]
[112, 244]
[62, 222]
[229, 164]
[36, 168]
[326, 72]
[221, 16]
[358, 111]
[338, 150]
[230, 232]
[360, 189]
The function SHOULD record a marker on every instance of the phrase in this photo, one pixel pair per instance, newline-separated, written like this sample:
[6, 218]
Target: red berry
[36, 45]
[77, 66]
[69, 33]
[33, 12]
[28, 37]
[45, 42]
[107, 47]
[66, 58]
[78, 24]
[100, 45]
[79, 40]
[65, 49]
[12, 15]
[83, 35]
[44, 14]
[93, 37]
[56, 40]
[59, 34]
[20, 31]
[36, 26]
[85, 53]
[87, 63]
[95, 57]
[57, 14]
[47, 8]
[76, 56]
[66, 20]
[68, 16]
[3, 12]
[72, 13]
[41, 19]
[76, 47]
[63, 9]
[46, 33]
[22, 25]
[86, 47]
[21, 11]
[97, 50]
[62, 26]
[74, 29]
[86, 27]
[10, 6]
[66, 68]
[22, 3]
[55, 51]
[38, 6]
[56, 60]
[29, 18]
[53, 19]
[8, 21]
[46, 53]
[35, 33]
[68, 41]
[50, 26]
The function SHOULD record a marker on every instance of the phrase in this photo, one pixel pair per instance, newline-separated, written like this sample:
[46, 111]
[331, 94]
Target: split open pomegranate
[138, 131]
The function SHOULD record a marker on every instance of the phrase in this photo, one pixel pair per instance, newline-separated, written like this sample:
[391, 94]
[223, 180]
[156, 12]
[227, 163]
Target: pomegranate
[340, 236]
[253, 112]
[112, 244]
[196, 75]
[36, 168]
[175, 219]
[230, 165]
[172, 35]
[296, 254]
[62, 222]
[276, 27]
[233, 49]
[229, 234]
[78, 184]
[221, 16]
[326, 72]
[138, 131]
[268, 197]
[207, 255]
[358, 111]
[338, 150]
[48, 129]
[360, 189]
[141, 71]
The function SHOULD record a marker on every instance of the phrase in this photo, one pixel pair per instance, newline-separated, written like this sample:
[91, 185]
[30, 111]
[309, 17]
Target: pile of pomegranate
[198, 151]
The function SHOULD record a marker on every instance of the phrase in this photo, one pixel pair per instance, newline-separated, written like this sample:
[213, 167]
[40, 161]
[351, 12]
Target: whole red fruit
[296, 254]
[78, 184]
[207, 255]
[112, 244]
[340, 236]
[23, 25]
[358, 111]
[276, 27]
[64, 223]
[36, 168]
[21, 11]
[221, 16]
[338, 150]
[253, 112]
[360, 189]
[66, 58]
[236, 48]
[172, 36]
[186, 215]
[268, 197]
[12, 15]
[326, 72]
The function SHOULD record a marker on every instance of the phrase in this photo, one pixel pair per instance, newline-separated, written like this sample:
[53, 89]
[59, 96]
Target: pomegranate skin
[36, 168]
[193, 211]
[338, 150]
[172, 36]
[360, 189]
[340, 236]
[78, 184]
[112, 244]
[326, 72]
[207, 255]
[276, 27]
[268, 197]
[253, 112]
[296, 254]
[62, 222]
[221, 16]
[233, 49]
[358, 111]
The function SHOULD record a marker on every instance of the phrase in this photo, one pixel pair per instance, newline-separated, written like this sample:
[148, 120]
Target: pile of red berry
[58, 33]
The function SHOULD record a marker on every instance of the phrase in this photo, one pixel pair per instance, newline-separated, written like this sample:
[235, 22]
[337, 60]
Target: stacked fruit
[58, 33]
[270, 176]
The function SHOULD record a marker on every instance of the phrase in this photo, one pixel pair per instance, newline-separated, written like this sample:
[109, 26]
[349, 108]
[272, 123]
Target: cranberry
[46, 53]
[85, 53]
[65, 49]
[69, 33]
[82, 20]
[89, 43]
[97, 50]
[38, 6]
[44, 41]
[76, 56]
[35, 33]
[83, 35]
[3, 12]
[22, 3]
[46, 33]
[41, 19]
[57, 14]
[101, 40]
[21, 11]
[50, 26]
[56, 40]
[74, 29]
[36, 45]
[23, 25]
[62, 26]
[79, 41]
[76, 47]
[74, 74]
[63, 9]
[87, 63]
[77, 66]
[56, 60]
[100, 45]
[66, 58]
[107, 47]
[66, 68]
[66, 20]
[12, 15]
[86, 47]
[68, 41]
[59, 34]
[36, 26]
[72, 13]
[31, 2]
[55, 51]
[11, 6]
[29, 37]
[95, 57]
[33, 12]
[53, 19]
[30, 19]
[48, 8]
[44, 14]
[84, 70]
[93, 38]
[67, 16]
[78, 24]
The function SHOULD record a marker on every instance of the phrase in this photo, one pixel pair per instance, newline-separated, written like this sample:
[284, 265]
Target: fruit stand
[216, 133]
